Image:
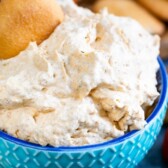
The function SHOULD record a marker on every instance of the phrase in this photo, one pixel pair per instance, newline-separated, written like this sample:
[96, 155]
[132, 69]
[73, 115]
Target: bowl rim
[161, 102]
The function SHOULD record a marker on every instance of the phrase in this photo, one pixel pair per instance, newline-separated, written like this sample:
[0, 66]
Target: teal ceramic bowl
[123, 152]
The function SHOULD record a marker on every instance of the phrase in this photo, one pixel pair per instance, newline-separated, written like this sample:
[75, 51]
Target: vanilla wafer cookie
[132, 9]
[157, 7]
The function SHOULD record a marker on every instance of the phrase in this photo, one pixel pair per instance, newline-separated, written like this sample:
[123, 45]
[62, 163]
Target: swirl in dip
[90, 81]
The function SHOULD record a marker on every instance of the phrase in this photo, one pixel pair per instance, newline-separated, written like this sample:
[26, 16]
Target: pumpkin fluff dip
[90, 81]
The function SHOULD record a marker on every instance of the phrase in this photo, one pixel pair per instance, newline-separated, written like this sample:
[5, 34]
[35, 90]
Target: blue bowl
[122, 152]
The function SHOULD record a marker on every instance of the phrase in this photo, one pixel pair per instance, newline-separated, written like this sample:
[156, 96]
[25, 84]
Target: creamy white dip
[85, 84]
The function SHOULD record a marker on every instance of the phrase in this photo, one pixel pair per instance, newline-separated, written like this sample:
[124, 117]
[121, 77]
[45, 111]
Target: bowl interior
[162, 81]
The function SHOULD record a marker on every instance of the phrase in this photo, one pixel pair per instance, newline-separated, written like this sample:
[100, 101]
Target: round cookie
[157, 7]
[132, 9]
[23, 21]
